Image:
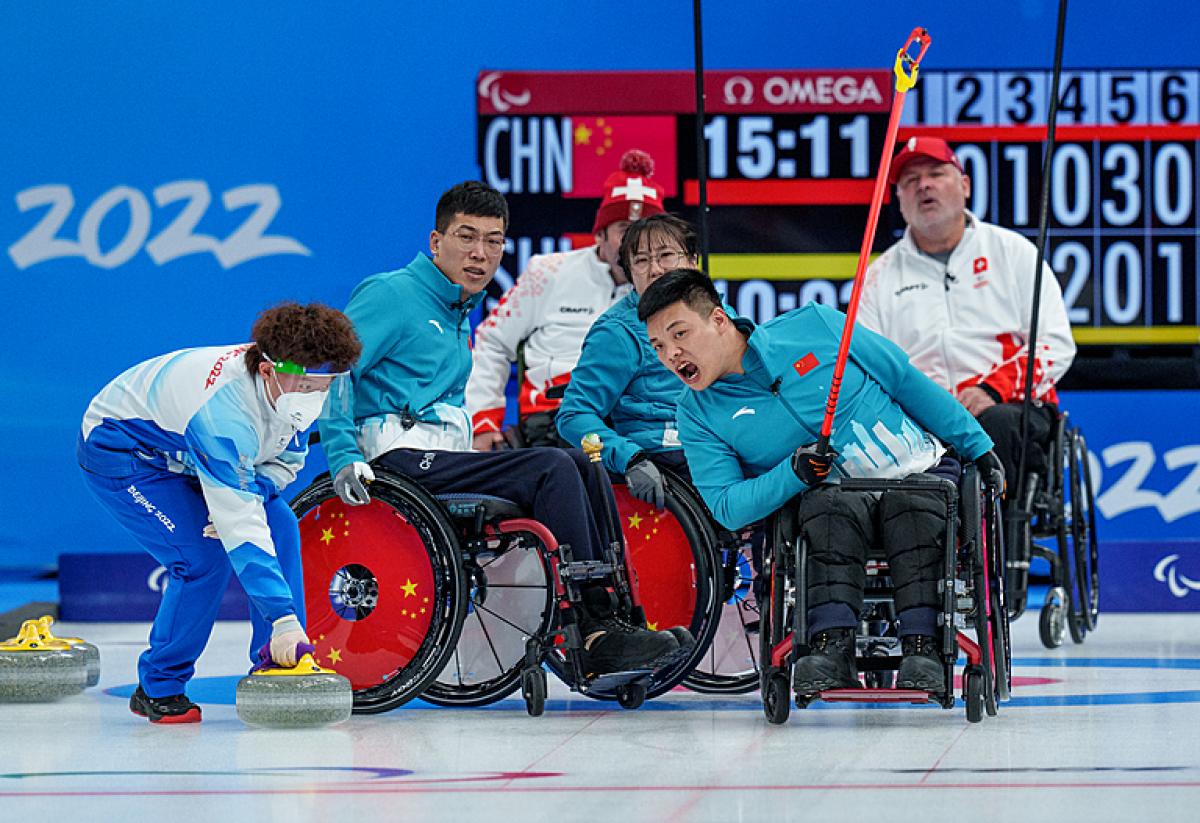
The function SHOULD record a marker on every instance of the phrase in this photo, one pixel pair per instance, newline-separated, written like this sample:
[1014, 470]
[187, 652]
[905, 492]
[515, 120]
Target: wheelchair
[1056, 522]
[664, 573]
[716, 602]
[503, 590]
[972, 590]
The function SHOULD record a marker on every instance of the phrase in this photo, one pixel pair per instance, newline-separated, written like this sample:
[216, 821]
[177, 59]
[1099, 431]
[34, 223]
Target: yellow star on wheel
[335, 656]
[635, 521]
[583, 135]
[409, 588]
[326, 536]
[651, 626]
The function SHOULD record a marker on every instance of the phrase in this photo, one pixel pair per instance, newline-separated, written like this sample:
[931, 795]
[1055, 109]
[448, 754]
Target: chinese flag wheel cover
[661, 562]
[369, 589]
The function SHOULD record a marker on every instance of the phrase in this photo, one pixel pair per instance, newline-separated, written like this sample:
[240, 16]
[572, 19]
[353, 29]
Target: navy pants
[558, 487]
[197, 567]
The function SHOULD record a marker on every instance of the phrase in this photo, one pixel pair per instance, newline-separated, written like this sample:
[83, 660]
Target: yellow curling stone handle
[305, 665]
[30, 639]
[45, 622]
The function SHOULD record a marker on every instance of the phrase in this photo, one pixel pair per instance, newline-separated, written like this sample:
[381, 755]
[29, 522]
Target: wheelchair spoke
[457, 667]
[746, 636]
[491, 646]
[481, 608]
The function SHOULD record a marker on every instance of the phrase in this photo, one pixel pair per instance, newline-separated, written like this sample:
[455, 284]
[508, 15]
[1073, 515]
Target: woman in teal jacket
[619, 389]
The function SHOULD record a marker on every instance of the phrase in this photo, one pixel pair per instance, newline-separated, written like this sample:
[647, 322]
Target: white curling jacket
[550, 309]
[966, 322]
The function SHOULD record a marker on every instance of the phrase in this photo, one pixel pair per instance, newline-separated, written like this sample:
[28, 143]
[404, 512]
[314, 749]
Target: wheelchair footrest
[608, 682]
[876, 696]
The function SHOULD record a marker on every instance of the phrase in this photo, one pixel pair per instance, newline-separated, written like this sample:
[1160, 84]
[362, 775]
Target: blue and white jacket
[199, 412]
[409, 381]
[740, 432]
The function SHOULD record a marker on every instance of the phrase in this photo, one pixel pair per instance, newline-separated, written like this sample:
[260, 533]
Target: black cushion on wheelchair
[463, 506]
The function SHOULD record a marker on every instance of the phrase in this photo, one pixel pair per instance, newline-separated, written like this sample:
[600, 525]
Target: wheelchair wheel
[981, 578]
[973, 693]
[672, 560]
[1053, 619]
[731, 663]
[533, 690]
[1084, 546]
[510, 599]
[777, 699]
[1001, 629]
[384, 587]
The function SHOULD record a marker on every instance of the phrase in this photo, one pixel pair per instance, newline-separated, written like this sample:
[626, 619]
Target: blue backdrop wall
[305, 144]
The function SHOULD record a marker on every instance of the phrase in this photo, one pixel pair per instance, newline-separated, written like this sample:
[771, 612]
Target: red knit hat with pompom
[630, 194]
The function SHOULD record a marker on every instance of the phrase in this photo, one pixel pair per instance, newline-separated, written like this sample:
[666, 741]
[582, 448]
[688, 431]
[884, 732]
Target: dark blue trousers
[197, 567]
[557, 487]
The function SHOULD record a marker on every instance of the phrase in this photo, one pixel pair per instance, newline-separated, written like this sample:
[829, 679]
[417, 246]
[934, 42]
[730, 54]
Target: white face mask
[300, 409]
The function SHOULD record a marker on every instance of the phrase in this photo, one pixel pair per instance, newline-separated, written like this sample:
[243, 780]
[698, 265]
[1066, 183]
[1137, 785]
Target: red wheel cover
[661, 561]
[368, 586]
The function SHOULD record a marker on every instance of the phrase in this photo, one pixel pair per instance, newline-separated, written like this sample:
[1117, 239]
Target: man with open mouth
[756, 406]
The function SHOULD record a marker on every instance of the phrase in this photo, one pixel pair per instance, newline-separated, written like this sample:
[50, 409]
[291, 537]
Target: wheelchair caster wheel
[1052, 623]
[777, 699]
[1076, 623]
[631, 695]
[973, 693]
[533, 689]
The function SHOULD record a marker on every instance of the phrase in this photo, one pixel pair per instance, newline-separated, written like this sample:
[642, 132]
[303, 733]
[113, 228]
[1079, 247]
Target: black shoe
[611, 645]
[683, 637]
[174, 709]
[922, 666]
[829, 663]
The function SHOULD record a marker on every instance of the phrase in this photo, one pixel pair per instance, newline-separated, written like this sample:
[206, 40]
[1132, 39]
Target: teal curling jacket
[619, 378]
[416, 354]
[740, 432]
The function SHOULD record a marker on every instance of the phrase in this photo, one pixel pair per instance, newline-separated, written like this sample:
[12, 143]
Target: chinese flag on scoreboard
[599, 142]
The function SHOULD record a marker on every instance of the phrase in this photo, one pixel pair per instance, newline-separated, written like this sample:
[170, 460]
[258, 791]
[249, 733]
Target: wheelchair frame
[1061, 508]
[972, 590]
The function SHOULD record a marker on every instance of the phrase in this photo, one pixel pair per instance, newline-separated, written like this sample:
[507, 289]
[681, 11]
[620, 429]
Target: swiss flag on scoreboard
[598, 143]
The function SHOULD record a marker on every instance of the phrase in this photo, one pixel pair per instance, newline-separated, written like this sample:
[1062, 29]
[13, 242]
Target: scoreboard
[791, 160]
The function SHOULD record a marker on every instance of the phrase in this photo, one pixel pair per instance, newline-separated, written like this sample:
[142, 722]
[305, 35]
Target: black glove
[812, 467]
[645, 482]
[992, 470]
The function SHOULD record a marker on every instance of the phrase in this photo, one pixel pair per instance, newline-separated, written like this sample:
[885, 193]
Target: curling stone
[303, 696]
[33, 670]
[90, 653]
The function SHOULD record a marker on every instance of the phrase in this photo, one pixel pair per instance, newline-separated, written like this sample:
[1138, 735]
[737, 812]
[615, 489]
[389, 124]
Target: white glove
[286, 635]
[349, 484]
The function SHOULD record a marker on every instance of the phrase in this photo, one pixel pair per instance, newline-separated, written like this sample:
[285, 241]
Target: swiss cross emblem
[806, 364]
[634, 189]
[980, 265]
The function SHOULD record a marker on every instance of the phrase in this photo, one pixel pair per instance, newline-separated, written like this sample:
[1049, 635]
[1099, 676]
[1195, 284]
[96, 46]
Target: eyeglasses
[304, 383]
[467, 239]
[666, 259]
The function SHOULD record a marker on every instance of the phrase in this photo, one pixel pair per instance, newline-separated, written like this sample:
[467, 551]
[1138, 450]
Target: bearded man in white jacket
[956, 294]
